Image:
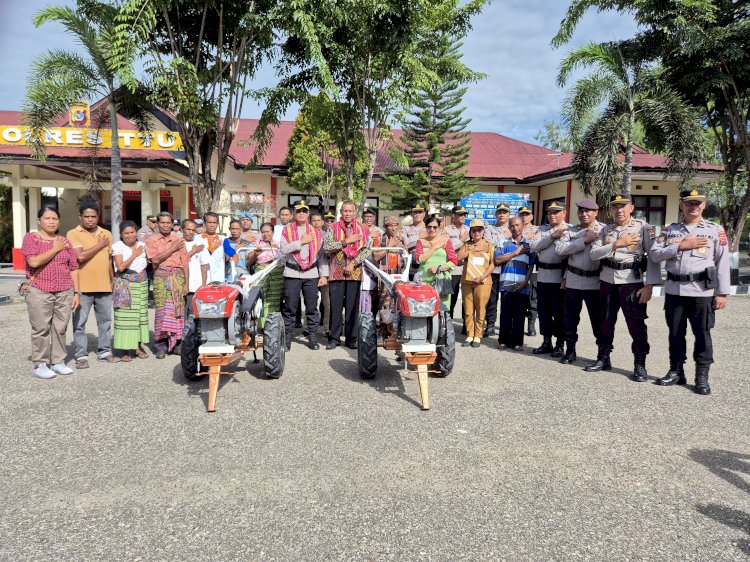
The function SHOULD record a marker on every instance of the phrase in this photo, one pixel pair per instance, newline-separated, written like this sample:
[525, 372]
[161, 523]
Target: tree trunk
[115, 173]
[627, 172]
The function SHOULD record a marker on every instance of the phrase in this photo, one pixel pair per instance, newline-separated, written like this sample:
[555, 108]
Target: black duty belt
[585, 272]
[294, 266]
[543, 265]
[687, 277]
[622, 265]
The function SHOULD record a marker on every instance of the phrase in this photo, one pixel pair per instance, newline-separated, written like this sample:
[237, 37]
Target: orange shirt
[158, 243]
[93, 274]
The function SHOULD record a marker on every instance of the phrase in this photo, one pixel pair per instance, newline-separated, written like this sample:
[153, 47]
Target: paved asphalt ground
[519, 459]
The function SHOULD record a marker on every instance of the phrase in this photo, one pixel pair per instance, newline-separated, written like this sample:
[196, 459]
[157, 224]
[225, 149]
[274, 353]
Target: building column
[35, 201]
[19, 216]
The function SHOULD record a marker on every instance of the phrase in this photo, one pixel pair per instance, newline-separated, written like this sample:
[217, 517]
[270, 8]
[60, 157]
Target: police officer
[697, 258]
[622, 248]
[495, 234]
[550, 269]
[413, 232]
[581, 277]
[458, 233]
[529, 230]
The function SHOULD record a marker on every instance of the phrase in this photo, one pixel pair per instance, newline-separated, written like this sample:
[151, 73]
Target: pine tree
[433, 154]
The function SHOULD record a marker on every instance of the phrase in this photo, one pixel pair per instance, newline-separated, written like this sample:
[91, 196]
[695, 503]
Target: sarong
[131, 324]
[273, 288]
[169, 283]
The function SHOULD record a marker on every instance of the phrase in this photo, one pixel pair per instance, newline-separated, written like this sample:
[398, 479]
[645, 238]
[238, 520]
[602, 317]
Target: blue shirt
[515, 270]
[230, 249]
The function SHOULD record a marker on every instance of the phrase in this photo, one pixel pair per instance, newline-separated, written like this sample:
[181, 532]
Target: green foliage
[434, 147]
[364, 54]
[201, 56]
[632, 94]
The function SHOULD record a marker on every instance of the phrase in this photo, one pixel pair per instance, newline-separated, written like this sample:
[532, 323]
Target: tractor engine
[418, 307]
[225, 317]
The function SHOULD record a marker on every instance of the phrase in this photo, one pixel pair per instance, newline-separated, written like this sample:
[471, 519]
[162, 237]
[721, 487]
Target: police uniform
[621, 277]
[550, 267]
[529, 232]
[495, 235]
[694, 277]
[454, 234]
[581, 281]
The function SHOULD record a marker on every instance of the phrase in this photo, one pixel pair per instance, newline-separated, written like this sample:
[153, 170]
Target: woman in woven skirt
[130, 293]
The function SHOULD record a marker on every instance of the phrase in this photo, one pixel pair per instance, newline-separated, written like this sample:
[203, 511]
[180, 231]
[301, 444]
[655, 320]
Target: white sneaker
[41, 371]
[62, 369]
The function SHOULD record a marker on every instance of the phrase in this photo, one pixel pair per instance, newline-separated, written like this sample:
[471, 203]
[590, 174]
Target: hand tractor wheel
[274, 345]
[446, 346]
[367, 346]
[189, 356]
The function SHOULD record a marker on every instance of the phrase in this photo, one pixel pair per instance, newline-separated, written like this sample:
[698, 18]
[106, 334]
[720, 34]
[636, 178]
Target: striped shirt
[515, 270]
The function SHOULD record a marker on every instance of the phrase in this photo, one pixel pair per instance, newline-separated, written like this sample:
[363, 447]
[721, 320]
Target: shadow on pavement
[200, 387]
[729, 466]
[387, 381]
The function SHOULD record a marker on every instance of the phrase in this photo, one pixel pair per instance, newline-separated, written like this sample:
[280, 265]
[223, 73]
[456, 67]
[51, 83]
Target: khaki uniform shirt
[496, 234]
[543, 245]
[571, 246]
[410, 234]
[687, 262]
[93, 273]
[603, 249]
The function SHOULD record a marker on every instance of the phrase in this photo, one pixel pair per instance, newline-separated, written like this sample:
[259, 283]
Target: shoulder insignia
[651, 232]
[723, 238]
[661, 238]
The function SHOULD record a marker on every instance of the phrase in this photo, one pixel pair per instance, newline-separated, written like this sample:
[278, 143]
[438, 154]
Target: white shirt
[216, 262]
[196, 262]
[277, 230]
[139, 263]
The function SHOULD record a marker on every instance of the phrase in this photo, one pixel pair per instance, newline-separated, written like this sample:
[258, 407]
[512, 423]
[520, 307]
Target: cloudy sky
[509, 43]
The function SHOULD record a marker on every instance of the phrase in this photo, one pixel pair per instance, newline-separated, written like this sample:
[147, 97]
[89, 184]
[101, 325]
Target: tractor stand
[215, 361]
[418, 361]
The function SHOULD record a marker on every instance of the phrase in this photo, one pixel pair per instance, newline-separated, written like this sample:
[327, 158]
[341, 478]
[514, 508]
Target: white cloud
[510, 42]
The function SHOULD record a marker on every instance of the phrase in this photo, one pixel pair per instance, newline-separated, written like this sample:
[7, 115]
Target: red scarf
[291, 234]
[213, 242]
[341, 231]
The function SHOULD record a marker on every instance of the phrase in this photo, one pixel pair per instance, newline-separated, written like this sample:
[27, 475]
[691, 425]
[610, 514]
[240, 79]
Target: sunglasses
[432, 227]
[302, 211]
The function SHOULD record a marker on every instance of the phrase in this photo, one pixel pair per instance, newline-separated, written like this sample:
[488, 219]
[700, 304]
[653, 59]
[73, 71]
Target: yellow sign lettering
[73, 137]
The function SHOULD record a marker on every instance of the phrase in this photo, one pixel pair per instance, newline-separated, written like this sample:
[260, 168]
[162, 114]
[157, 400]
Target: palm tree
[603, 108]
[59, 78]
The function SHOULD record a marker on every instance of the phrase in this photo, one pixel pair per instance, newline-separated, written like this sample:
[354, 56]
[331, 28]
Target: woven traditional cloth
[168, 300]
[131, 324]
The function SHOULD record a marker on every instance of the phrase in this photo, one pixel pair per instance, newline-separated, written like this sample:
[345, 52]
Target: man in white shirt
[215, 246]
[197, 266]
[285, 215]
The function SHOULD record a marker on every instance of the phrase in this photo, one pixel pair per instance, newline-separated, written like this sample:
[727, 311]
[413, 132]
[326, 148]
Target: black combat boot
[288, 337]
[559, 350]
[531, 330]
[312, 340]
[701, 379]
[570, 356]
[676, 375]
[602, 363]
[639, 370]
[546, 347]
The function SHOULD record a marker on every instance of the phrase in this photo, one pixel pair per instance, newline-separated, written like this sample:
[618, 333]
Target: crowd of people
[525, 270]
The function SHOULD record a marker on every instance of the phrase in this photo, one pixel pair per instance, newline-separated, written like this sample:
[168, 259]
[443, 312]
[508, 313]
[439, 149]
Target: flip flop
[141, 354]
[109, 359]
[125, 358]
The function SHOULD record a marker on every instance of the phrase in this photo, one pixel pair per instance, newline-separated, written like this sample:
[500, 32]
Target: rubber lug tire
[189, 355]
[446, 347]
[367, 346]
[274, 345]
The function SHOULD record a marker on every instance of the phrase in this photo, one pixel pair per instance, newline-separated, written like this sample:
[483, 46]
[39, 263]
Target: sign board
[482, 205]
[90, 138]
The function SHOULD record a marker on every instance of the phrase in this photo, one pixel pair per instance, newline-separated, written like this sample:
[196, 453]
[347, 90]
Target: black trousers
[612, 298]
[572, 305]
[491, 315]
[309, 290]
[456, 283]
[550, 308]
[512, 317]
[700, 313]
[344, 296]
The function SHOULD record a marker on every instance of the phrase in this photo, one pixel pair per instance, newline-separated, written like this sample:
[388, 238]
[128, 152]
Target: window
[651, 208]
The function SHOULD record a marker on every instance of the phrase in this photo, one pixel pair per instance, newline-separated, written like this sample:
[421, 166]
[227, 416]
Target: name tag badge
[477, 261]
